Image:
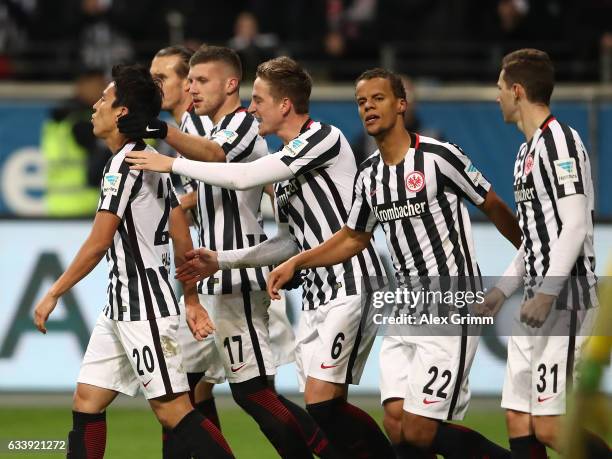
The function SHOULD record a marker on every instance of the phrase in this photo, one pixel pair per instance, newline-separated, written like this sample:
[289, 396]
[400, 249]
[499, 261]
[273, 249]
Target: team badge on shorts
[529, 163]
[415, 181]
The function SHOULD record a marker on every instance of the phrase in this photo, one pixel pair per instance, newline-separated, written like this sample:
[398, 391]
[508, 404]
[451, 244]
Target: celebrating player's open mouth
[371, 119]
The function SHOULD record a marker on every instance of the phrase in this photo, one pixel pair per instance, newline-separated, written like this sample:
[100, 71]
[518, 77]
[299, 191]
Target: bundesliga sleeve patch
[295, 146]
[566, 171]
[473, 174]
[111, 183]
[226, 136]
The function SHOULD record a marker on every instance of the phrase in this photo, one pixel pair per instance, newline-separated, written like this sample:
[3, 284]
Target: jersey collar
[550, 118]
[139, 144]
[306, 125]
[415, 139]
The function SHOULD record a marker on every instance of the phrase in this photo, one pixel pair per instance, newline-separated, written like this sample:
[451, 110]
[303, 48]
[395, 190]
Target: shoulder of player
[235, 119]
[320, 133]
[557, 133]
[117, 164]
[369, 162]
[439, 149]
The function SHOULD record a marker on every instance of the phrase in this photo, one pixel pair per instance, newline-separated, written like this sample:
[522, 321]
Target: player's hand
[149, 161]
[137, 126]
[42, 311]
[535, 311]
[200, 264]
[282, 274]
[493, 301]
[199, 321]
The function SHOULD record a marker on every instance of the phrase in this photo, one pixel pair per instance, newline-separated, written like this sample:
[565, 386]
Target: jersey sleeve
[563, 160]
[461, 174]
[237, 137]
[119, 183]
[311, 150]
[174, 200]
[361, 217]
[280, 214]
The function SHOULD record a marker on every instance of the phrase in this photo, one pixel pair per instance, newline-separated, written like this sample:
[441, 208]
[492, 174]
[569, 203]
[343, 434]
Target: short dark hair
[532, 69]
[136, 89]
[288, 79]
[209, 53]
[394, 79]
[184, 53]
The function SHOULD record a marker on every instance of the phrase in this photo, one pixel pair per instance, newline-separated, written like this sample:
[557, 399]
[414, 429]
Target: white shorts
[282, 338]
[430, 373]
[331, 343]
[200, 356]
[123, 356]
[541, 361]
[203, 356]
[242, 335]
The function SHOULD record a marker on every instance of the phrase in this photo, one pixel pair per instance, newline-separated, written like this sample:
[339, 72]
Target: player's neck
[229, 106]
[531, 118]
[180, 109]
[394, 145]
[115, 142]
[292, 125]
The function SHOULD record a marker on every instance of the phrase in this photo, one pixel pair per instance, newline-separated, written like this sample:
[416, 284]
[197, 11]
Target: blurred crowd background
[447, 40]
[56, 56]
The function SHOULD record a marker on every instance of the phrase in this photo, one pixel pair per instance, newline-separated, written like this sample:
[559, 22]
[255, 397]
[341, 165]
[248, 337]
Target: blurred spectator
[527, 20]
[349, 37]
[14, 21]
[210, 21]
[75, 159]
[102, 43]
[299, 24]
[366, 144]
[419, 21]
[252, 46]
[590, 32]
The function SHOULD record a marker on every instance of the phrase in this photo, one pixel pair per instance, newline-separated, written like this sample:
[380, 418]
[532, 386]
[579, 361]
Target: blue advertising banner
[475, 126]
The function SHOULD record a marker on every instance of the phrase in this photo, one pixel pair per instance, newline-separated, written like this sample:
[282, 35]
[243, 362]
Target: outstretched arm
[89, 255]
[233, 176]
[137, 126]
[509, 282]
[502, 217]
[194, 146]
[197, 318]
[204, 263]
[343, 245]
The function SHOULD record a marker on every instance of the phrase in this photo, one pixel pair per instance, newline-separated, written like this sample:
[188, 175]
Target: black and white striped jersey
[194, 124]
[552, 165]
[420, 205]
[315, 204]
[232, 219]
[139, 258]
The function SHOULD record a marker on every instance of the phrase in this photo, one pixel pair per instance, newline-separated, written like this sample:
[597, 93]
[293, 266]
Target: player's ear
[402, 105]
[285, 105]
[517, 92]
[233, 85]
[121, 111]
